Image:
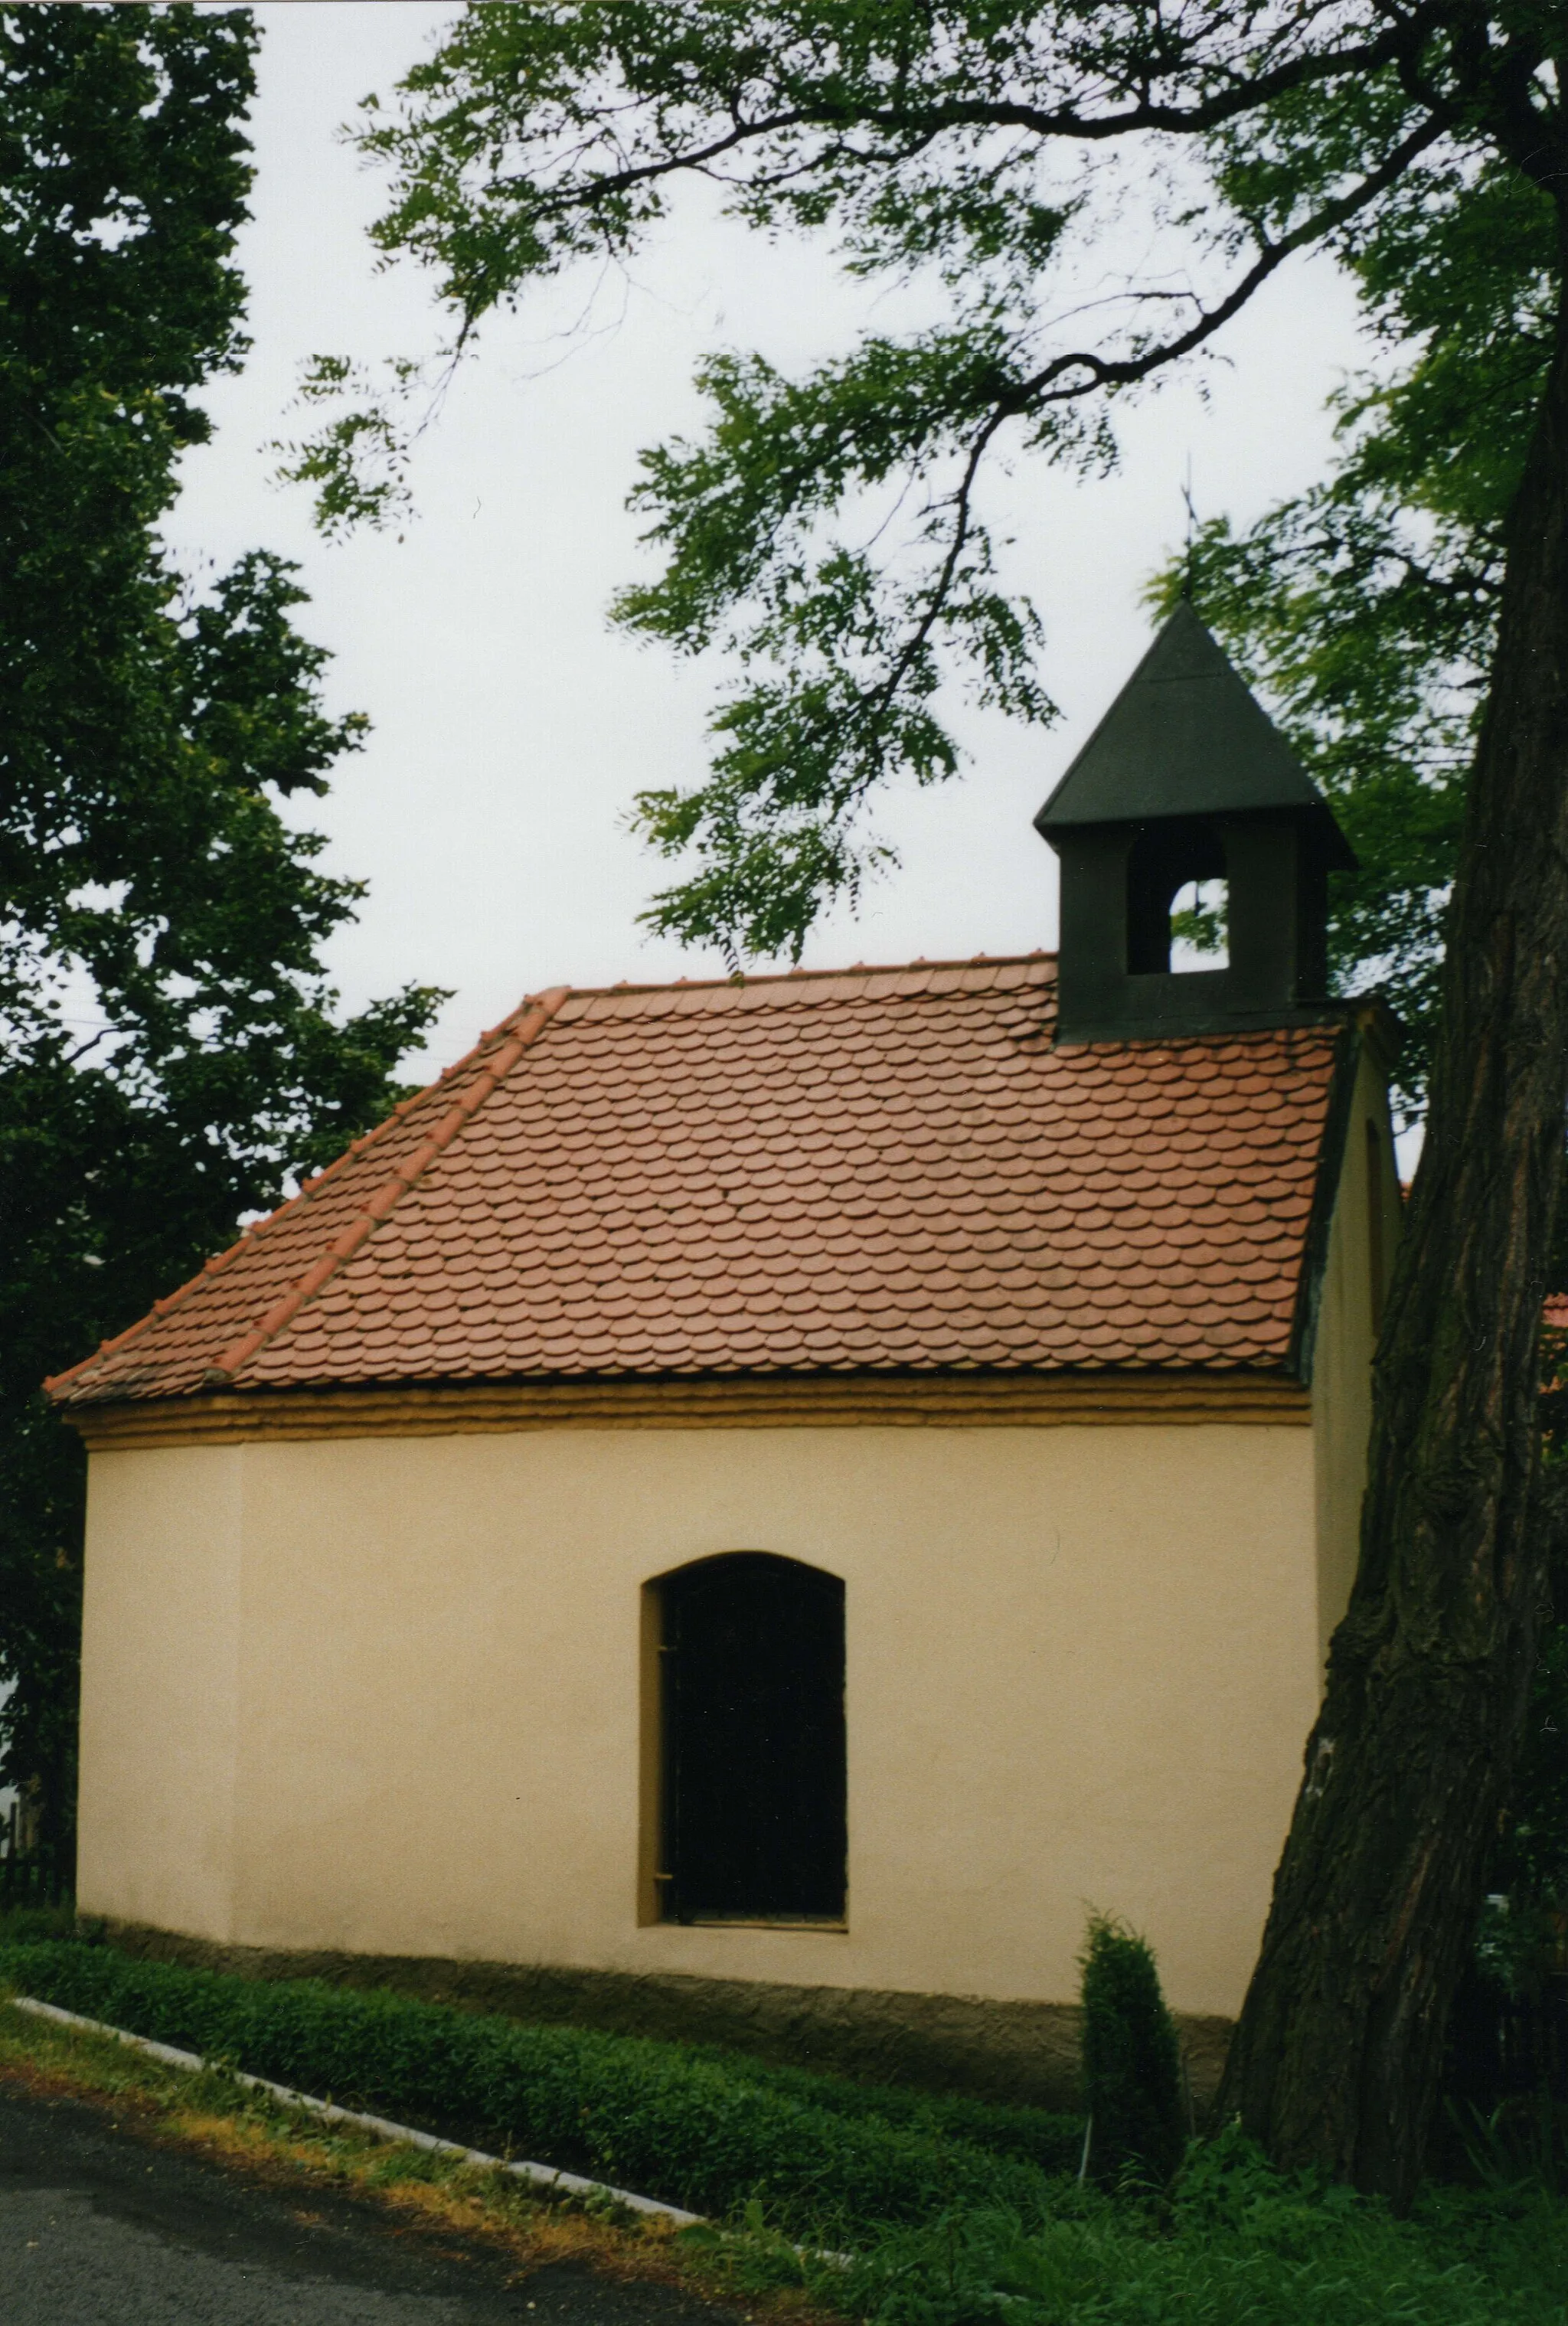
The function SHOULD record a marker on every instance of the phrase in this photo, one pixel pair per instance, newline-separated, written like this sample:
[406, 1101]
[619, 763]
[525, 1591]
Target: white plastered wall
[1356, 1273]
[162, 1621]
[382, 1693]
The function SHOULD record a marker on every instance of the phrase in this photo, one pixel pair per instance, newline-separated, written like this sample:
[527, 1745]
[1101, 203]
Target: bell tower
[1187, 779]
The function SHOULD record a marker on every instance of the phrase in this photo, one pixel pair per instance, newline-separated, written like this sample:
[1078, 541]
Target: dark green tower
[1186, 778]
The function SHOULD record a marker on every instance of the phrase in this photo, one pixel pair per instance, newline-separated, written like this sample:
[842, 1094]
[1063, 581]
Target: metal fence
[1503, 2046]
[34, 1870]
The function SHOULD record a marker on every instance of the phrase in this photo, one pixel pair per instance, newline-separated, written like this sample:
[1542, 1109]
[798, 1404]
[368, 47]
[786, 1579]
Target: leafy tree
[1366, 608]
[168, 1046]
[832, 531]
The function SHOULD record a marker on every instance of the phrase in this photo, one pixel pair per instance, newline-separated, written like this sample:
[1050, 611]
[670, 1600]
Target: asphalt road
[100, 2228]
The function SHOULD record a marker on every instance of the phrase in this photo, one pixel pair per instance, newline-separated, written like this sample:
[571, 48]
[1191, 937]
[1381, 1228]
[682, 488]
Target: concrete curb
[379, 2127]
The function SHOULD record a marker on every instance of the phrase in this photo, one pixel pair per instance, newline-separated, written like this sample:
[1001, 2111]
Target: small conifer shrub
[1132, 2072]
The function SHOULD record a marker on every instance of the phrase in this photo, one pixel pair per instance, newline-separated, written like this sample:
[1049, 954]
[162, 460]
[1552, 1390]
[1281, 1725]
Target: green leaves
[831, 535]
[170, 1047]
[357, 465]
[1132, 2072]
[854, 664]
[844, 655]
[1365, 609]
[709, 2131]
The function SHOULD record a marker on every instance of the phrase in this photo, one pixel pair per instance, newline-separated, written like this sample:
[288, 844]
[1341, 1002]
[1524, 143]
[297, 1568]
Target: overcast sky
[511, 724]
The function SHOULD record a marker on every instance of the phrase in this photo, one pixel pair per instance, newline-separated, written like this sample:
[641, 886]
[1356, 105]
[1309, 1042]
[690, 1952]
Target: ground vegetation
[1233, 2243]
[700, 2133]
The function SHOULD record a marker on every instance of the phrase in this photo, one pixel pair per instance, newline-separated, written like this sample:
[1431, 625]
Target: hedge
[647, 2115]
[1037, 2136]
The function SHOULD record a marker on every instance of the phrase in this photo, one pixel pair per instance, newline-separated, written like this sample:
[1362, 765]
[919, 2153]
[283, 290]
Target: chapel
[748, 1507]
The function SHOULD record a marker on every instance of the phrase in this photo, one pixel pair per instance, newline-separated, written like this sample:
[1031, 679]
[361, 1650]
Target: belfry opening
[1186, 781]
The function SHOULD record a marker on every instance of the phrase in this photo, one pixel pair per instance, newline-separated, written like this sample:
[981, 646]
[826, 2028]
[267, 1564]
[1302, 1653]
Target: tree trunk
[1336, 2058]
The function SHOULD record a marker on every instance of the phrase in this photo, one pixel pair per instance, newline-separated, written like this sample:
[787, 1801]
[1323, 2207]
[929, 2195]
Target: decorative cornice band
[822, 1400]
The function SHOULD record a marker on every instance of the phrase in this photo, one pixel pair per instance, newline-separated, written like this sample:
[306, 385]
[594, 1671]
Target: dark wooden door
[754, 1740]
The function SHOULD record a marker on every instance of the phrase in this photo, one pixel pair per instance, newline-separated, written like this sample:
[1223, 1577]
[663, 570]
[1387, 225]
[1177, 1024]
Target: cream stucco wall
[382, 1693]
[1356, 1273]
[160, 1686]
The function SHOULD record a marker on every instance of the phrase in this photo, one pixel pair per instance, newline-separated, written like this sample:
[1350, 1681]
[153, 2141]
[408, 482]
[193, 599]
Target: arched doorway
[752, 1662]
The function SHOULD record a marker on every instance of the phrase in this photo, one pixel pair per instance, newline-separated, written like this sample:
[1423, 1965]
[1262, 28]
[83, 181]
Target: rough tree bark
[1336, 2058]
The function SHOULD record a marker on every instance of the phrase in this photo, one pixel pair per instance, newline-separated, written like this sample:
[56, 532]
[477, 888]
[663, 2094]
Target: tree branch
[916, 127]
[1037, 391]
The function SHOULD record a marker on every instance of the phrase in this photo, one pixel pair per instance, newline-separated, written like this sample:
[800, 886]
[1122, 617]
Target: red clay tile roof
[883, 1169]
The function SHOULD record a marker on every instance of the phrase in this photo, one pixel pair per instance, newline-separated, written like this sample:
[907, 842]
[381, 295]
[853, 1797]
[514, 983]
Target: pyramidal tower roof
[1184, 736]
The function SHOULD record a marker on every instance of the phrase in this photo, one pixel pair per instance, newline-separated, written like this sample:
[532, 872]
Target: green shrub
[962, 2238]
[1132, 2071]
[1235, 2245]
[648, 2115]
[1037, 2136]
[26, 1925]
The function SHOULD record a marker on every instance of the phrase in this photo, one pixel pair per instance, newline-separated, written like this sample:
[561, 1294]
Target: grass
[1234, 2244]
[1048, 2140]
[1038, 2136]
[209, 2115]
[23, 1926]
[822, 2158]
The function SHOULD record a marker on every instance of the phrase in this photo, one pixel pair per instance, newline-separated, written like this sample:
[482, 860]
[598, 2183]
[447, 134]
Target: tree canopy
[1366, 608]
[170, 1046]
[835, 531]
